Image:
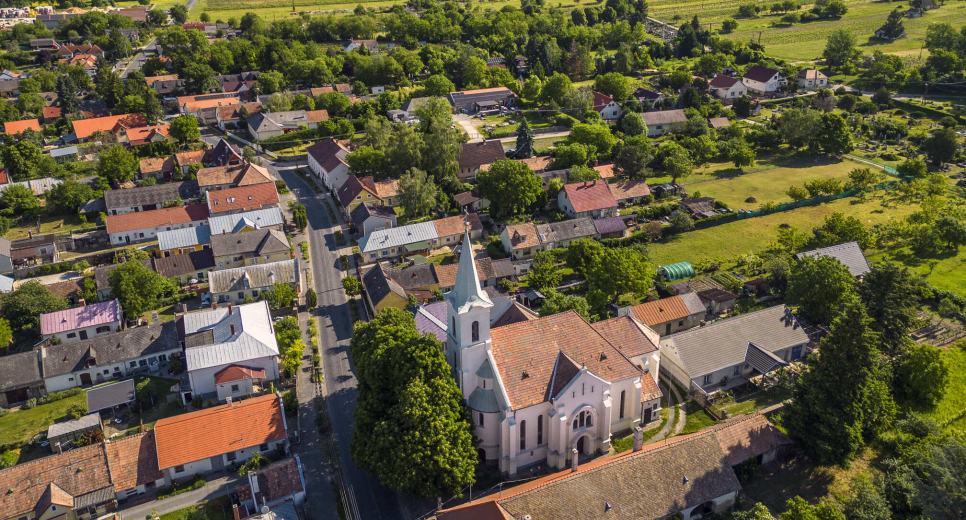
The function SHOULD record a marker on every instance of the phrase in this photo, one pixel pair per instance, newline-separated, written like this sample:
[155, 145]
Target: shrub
[80, 266]
[175, 366]
[255, 462]
[198, 402]
[196, 482]
[76, 411]
[29, 404]
[311, 299]
[290, 402]
[316, 360]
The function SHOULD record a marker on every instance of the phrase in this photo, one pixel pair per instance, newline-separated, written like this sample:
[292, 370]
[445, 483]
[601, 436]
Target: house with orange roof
[84, 128]
[669, 315]
[388, 192]
[232, 176]
[144, 135]
[193, 105]
[214, 438]
[131, 228]
[541, 389]
[587, 199]
[520, 241]
[88, 62]
[242, 199]
[230, 116]
[15, 127]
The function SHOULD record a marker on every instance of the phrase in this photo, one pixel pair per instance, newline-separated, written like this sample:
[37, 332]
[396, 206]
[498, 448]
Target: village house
[719, 122]
[449, 230]
[147, 198]
[218, 338]
[39, 248]
[15, 127]
[242, 199]
[369, 217]
[471, 202]
[388, 192]
[763, 80]
[642, 95]
[232, 432]
[487, 99]
[811, 78]
[565, 232]
[327, 161]
[69, 51]
[669, 315]
[490, 272]
[661, 122]
[270, 218]
[85, 128]
[394, 242]
[724, 354]
[628, 193]
[241, 283]
[587, 199]
[261, 246]
[86, 321]
[183, 241]
[160, 168]
[381, 291]
[39, 44]
[131, 228]
[184, 160]
[520, 241]
[477, 156]
[272, 485]
[190, 267]
[717, 301]
[727, 87]
[608, 109]
[355, 191]
[849, 254]
[352, 45]
[610, 227]
[232, 176]
[264, 125]
[108, 357]
[229, 117]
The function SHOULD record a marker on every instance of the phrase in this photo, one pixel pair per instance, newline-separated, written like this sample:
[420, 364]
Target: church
[540, 388]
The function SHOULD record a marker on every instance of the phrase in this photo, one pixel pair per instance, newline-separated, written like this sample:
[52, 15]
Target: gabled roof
[760, 74]
[524, 235]
[849, 253]
[266, 121]
[185, 237]
[193, 262]
[363, 212]
[573, 229]
[233, 112]
[379, 285]
[724, 343]
[156, 218]
[235, 222]
[480, 95]
[257, 243]
[747, 437]
[56, 479]
[147, 195]
[810, 74]
[431, 318]
[628, 336]
[601, 100]
[610, 225]
[21, 369]
[83, 128]
[624, 190]
[474, 155]
[237, 175]
[105, 349]
[724, 81]
[233, 373]
[387, 188]
[590, 195]
[276, 481]
[214, 342]
[242, 198]
[661, 311]
[664, 117]
[526, 352]
[353, 186]
[254, 276]
[15, 127]
[133, 460]
[455, 225]
[80, 317]
[719, 122]
[399, 236]
[415, 276]
[151, 164]
[326, 152]
[215, 431]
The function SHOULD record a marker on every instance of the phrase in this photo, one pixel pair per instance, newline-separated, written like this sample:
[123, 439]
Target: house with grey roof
[21, 378]
[146, 198]
[849, 253]
[389, 243]
[663, 121]
[185, 240]
[272, 124]
[252, 281]
[726, 353]
[567, 231]
[261, 246]
[268, 218]
[232, 336]
[190, 267]
[369, 217]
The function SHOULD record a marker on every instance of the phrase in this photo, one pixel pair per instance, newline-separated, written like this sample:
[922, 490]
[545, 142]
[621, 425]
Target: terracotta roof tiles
[590, 196]
[156, 218]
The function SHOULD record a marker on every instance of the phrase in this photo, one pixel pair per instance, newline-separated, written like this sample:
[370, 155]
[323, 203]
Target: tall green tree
[67, 94]
[138, 288]
[543, 274]
[891, 297]
[841, 49]
[555, 303]
[524, 148]
[67, 197]
[280, 296]
[442, 143]
[413, 430]
[510, 186]
[938, 475]
[20, 158]
[116, 164]
[922, 376]
[417, 192]
[615, 272]
[821, 287]
[23, 306]
[185, 129]
[834, 135]
[825, 415]
[838, 229]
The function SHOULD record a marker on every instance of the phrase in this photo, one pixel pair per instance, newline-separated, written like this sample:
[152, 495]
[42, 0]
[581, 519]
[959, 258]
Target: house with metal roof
[252, 281]
[849, 254]
[473, 101]
[269, 218]
[218, 338]
[108, 397]
[185, 240]
[146, 198]
[261, 246]
[726, 353]
[190, 267]
[68, 431]
[81, 323]
[400, 241]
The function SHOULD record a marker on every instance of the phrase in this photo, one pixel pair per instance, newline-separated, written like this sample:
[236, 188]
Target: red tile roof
[237, 373]
[15, 127]
[661, 311]
[526, 354]
[590, 196]
[244, 198]
[52, 112]
[626, 336]
[85, 127]
[478, 154]
[133, 460]
[207, 433]
[748, 437]
[601, 100]
[156, 218]
[76, 472]
[454, 225]
[523, 235]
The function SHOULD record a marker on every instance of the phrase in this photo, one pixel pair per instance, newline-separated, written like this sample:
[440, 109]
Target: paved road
[369, 499]
[142, 56]
[213, 489]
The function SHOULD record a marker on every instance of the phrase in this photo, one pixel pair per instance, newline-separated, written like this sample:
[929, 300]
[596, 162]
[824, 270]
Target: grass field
[214, 509]
[944, 270]
[22, 425]
[48, 224]
[732, 187]
[954, 403]
[755, 234]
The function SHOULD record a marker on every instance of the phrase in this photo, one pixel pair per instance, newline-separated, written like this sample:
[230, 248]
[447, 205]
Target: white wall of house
[736, 91]
[203, 380]
[332, 179]
[87, 332]
[812, 82]
[108, 371]
[239, 296]
[610, 111]
[374, 224]
[235, 389]
[764, 87]
[146, 234]
[206, 465]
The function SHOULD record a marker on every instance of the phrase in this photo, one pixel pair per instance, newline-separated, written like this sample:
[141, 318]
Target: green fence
[813, 201]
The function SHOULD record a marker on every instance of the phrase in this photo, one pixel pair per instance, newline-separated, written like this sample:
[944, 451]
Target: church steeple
[467, 293]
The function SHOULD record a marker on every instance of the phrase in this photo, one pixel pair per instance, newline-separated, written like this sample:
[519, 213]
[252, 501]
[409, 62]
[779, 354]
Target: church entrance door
[580, 444]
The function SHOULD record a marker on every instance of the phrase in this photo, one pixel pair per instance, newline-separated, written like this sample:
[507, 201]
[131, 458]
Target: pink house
[83, 322]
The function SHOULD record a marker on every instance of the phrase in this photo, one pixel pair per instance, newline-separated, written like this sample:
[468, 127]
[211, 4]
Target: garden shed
[676, 271]
[71, 430]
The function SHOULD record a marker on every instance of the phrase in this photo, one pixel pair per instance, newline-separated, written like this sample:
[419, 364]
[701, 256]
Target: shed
[677, 271]
[108, 396]
[71, 430]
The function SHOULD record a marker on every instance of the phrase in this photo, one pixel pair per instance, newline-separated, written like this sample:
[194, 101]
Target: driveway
[466, 123]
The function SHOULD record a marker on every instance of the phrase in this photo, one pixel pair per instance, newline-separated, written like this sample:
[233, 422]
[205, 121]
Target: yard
[214, 509]
[755, 234]
[48, 224]
[953, 406]
[23, 425]
[165, 313]
[944, 270]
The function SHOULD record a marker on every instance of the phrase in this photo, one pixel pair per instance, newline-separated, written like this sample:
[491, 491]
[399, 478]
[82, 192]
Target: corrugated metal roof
[232, 223]
[400, 236]
[86, 422]
[254, 336]
[254, 276]
[849, 253]
[80, 317]
[186, 237]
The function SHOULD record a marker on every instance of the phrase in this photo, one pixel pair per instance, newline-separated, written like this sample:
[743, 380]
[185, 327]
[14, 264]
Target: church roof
[467, 292]
[526, 354]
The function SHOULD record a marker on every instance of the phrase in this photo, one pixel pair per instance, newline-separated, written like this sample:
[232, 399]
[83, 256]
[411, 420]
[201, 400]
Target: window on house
[480, 422]
[141, 235]
[623, 397]
[71, 335]
[523, 435]
[372, 256]
[254, 294]
[102, 329]
[681, 323]
[575, 424]
[234, 388]
[231, 456]
[179, 469]
[738, 370]
[590, 419]
[143, 363]
[707, 379]
[539, 430]
[241, 296]
[134, 364]
[475, 332]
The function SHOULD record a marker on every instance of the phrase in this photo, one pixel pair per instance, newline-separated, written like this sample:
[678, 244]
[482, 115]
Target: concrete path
[466, 123]
[214, 488]
[679, 427]
[659, 436]
[49, 279]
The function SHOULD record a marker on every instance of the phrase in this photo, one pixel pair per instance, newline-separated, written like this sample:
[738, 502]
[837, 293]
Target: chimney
[638, 438]
[214, 304]
[30, 234]
[573, 458]
[228, 401]
[229, 308]
[232, 328]
[59, 448]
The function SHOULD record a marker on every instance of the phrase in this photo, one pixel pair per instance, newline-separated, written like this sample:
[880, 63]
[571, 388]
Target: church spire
[467, 292]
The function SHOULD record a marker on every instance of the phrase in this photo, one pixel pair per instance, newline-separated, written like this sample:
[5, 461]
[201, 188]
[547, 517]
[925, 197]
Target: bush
[195, 482]
[80, 266]
[76, 411]
[281, 187]
[198, 402]
[175, 366]
[311, 299]
[290, 402]
[29, 404]
[316, 360]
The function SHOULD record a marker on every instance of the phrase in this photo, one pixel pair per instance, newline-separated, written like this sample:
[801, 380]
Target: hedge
[932, 112]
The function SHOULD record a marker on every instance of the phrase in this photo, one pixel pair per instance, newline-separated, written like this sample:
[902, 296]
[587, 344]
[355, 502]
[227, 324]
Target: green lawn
[954, 403]
[758, 401]
[22, 425]
[164, 314]
[48, 224]
[214, 509]
[944, 270]
[732, 187]
[755, 234]
[697, 418]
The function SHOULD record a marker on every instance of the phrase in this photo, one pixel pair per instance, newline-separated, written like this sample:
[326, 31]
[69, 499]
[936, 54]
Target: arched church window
[575, 424]
[481, 420]
[523, 435]
[590, 419]
[623, 395]
[582, 419]
[476, 331]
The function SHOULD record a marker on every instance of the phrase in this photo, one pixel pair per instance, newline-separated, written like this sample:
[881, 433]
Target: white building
[811, 78]
[222, 337]
[763, 80]
[131, 228]
[540, 388]
[83, 322]
[608, 109]
[726, 87]
[327, 161]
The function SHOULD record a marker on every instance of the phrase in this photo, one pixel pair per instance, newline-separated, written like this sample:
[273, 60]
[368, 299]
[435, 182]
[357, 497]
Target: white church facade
[540, 388]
